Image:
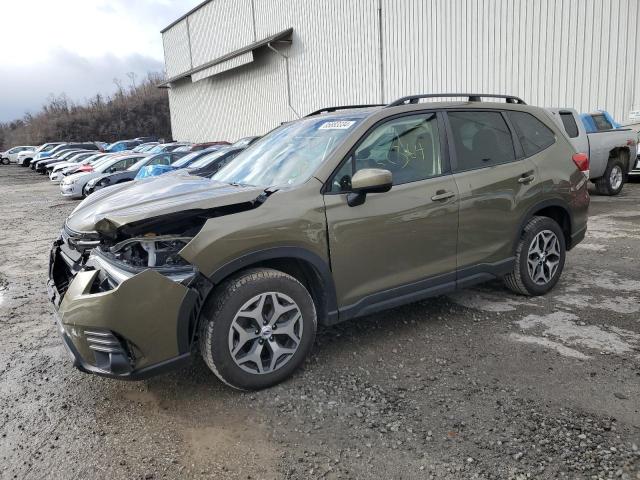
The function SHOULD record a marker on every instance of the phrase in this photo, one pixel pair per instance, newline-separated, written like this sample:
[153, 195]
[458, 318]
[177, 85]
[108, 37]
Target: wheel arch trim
[319, 265]
[531, 212]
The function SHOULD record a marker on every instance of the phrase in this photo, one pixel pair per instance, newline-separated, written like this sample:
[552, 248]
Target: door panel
[393, 239]
[492, 204]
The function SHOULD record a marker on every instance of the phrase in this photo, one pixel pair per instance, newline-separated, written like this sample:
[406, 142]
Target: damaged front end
[127, 302]
[126, 309]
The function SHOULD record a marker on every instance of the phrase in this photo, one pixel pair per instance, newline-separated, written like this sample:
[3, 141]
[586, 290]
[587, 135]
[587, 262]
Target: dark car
[65, 146]
[210, 164]
[130, 173]
[41, 165]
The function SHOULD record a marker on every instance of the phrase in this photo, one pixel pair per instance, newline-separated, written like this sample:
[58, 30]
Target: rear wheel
[612, 181]
[540, 257]
[258, 328]
[5, 161]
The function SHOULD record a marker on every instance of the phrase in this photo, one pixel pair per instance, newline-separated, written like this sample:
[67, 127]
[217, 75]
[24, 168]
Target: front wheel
[5, 161]
[258, 328]
[540, 257]
[612, 181]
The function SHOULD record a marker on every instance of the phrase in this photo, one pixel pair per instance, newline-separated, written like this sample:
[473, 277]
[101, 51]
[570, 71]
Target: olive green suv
[343, 213]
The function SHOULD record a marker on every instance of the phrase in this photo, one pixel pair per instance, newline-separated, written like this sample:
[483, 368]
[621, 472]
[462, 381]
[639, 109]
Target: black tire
[604, 185]
[519, 280]
[5, 161]
[218, 316]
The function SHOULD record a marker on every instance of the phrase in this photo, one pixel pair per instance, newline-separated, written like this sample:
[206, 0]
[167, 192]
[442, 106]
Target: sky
[77, 47]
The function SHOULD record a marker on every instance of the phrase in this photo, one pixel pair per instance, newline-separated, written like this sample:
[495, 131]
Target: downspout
[286, 63]
[380, 51]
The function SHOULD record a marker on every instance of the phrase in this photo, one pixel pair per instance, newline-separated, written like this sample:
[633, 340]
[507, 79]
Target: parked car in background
[73, 158]
[149, 139]
[200, 146]
[610, 152]
[167, 147]
[211, 163]
[327, 218]
[73, 185]
[159, 166]
[11, 155]
[62, 155]
[122, 145]
[57, 148]
[634, 174]
[598, 121]
[130, 173]
[143, 147]
[60, 170]
[25, 157]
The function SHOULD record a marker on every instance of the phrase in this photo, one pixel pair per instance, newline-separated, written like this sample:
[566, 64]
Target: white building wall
[579, 53]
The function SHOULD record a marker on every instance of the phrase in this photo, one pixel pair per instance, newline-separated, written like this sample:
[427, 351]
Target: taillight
[582, 162]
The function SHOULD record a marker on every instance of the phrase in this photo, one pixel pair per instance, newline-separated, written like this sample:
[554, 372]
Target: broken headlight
[151, 251]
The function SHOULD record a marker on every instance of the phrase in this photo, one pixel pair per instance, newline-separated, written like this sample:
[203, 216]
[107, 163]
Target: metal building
[241, 67]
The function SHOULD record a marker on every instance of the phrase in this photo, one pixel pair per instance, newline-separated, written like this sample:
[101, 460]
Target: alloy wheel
[543, 258]
[615, 177]
[265, 333]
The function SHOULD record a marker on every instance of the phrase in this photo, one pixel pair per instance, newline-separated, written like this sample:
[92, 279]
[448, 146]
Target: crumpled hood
[134, 201]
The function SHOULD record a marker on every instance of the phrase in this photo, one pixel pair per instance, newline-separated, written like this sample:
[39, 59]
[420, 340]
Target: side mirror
[368, 180]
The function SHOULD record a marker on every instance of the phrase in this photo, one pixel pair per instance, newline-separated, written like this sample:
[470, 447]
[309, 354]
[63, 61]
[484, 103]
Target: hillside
[141, 109]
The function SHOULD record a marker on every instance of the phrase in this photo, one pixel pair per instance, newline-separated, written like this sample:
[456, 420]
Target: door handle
[442, 195]
[526, 178]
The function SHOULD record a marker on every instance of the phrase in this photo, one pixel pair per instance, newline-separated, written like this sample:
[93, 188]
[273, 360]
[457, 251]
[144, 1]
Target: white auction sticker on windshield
[338, 125]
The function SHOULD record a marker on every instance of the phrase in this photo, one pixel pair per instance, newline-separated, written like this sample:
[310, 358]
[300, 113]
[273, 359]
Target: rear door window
[534, 135]
[481, 139]
[570, 125]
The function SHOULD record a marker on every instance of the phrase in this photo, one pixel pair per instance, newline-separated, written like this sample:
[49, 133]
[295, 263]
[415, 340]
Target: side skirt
[430, 287]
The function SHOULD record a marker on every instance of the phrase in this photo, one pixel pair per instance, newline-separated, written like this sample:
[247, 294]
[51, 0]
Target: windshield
[208, 158]
[289, 154]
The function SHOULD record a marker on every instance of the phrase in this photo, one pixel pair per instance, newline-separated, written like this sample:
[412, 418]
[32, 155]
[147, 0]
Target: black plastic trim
[554, 202]
[286, 252]
[429, 287]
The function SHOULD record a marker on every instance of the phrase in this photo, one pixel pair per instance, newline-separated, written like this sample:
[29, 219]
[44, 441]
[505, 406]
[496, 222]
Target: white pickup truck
[611, 153]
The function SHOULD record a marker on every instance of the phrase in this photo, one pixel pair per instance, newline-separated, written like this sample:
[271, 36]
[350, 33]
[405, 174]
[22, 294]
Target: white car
[74, 160]
[11, 155]
[73, 185]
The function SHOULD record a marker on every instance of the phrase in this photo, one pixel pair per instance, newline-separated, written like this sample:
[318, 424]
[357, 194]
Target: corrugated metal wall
[580, 53]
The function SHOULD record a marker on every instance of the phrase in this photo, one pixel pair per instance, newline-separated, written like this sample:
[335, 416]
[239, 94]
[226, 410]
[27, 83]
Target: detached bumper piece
[127, 328]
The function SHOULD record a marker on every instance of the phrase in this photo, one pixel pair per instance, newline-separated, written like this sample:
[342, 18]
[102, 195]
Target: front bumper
[73, 190]
[635, 169]
[118, 324]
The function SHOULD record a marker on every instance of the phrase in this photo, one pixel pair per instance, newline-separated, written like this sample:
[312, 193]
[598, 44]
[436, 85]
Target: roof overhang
[231, 60]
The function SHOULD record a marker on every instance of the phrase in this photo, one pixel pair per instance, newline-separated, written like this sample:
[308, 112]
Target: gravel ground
[480, 384]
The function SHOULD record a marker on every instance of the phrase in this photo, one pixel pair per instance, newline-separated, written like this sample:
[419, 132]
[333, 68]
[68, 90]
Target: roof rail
[473, 97]
[344, 107]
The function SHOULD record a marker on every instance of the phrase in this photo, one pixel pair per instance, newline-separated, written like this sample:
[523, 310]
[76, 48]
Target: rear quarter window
[570, 125]
[534, 135]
